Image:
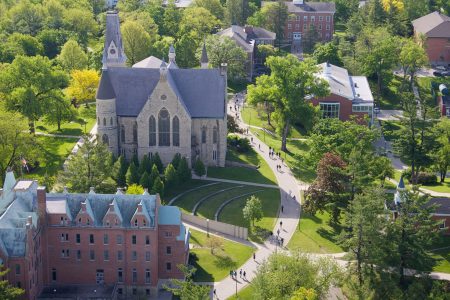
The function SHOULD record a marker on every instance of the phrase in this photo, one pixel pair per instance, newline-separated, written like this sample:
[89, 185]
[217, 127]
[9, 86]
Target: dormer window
[135, 223]
[107, 223]
[145, 223]
[79, 221]
[116, 222]
[88, 222]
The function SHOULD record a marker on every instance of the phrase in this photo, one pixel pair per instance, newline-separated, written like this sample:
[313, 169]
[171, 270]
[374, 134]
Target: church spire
[113, 53]
[204, 59]
[172, 54]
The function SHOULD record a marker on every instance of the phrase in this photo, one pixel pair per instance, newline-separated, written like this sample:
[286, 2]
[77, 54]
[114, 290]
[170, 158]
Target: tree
[199, 168]
[136, 42]
[135, 189]
[253, 210]
[157, 161]
[282, 275]
[20, 44]
[441, 157]
[129, 5]
[170, 177]
[327, 192]
[345, 9]
[171, 21]
[176, 160]
[158, 187]
[184, 173]
[26, 18]
[187, 46]
[153, 175]
[304, 294]
[327, 52]
[89, 167]
[145, 180]
[52, 41]
[145, 165]
[235, 12]
[199, 20]
[83, 85]
[132, 174]
[412, 58]
[186, 289]
[72, 57]
[263, 93]
[28, 85]
[222, 49]
[213, 6]
[161, 48]
[59, 109]
[382, 168]
[15, 143]
[7, 291]
[81, 22]
[363, 230]
[310, 39]
[214, 242]
[411, 233]
[288, 85]
[120, 171]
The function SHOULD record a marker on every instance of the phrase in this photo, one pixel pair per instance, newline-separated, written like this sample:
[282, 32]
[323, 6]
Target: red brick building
[435, 29]
[305, 16]
[349, 95]
[68, 245]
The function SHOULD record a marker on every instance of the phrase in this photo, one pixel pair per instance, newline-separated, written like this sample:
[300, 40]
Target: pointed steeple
[113, 53]
[401, 184]
[204, 59]
[172, 54]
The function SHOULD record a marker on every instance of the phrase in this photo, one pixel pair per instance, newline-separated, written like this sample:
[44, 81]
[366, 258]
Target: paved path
[58, 135]
[289, 187]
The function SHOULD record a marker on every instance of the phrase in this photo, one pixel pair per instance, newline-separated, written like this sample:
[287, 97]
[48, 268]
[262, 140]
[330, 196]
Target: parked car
[441, 73]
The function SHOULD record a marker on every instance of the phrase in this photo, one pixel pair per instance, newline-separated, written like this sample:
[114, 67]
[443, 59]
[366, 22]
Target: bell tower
[113, 53]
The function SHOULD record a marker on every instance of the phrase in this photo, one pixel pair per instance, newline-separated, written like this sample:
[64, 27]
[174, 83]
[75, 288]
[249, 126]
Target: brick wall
[345, 107]
[297, 25]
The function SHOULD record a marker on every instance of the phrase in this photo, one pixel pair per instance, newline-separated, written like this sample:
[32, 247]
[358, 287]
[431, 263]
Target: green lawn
[215, 267]
[390, 99]
[443, 187]
[75, 127]
[270, 200]
[236, 87]
[182, 187]
[442, 256]
[244, 294]
[54, 152]
[314, 235]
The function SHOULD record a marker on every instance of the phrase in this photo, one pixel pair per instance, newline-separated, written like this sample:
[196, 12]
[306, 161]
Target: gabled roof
[442, 205]
[311, 7]
[434, 24]
[201, 90]
[237, 34]
[150, 62]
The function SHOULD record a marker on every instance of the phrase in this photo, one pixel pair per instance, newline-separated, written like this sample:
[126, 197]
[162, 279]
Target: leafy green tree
[153, 175]
[145, 165]
[59, 110]
[28, 84]
[184, 173]
[412, 58]
[7, 291]
[26, 18]
[213, 6]
[89, 167]
[135, 189]
[170, 176]
[279, 277]
[345, 8]
[327, 52]
[132, 174]
[145, 180]
[310, 39]
[158, 187]
[222, 49]
[81, 22]
[253, 210]
[304, 294]
[382, 168]
[187, 289]
[136, 42]
[20, 44]
[157, 161]
[161, 47]
[187, 46]
[72, 57]
[129, 5]
[235, 12]
[199, 20]
[144, 19]
[363, 230]
[199, 168]
[135, 160]
[287, 87]
[172, 19]
[54, 14]
[441, 157]
[52, 41]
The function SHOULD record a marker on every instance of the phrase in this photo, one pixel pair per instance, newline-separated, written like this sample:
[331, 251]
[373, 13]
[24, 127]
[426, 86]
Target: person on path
[240, 273]
[245, 275]
[254, 256]
[215, 295]
[259, 146]
[278, 232]
[282, 242]
[235, 275]
[231, 273]
[282, 208]
[281, 224]
[251, 139]
[294, 198]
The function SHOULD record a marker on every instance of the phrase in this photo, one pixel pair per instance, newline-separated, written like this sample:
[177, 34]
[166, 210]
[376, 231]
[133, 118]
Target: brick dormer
[85, 216]
[113, 217]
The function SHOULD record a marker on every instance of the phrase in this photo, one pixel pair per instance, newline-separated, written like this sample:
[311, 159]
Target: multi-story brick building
[306, 16]
[115, 246]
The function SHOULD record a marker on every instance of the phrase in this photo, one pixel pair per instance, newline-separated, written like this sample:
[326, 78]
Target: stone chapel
[157, 107]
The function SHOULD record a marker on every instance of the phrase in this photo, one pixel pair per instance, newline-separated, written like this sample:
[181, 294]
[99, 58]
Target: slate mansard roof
[201, 90]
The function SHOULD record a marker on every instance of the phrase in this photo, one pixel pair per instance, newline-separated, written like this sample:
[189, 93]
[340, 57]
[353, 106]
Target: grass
[75, 127]
[54, 152]
[442, 256]
[182, 187]
[270, 200]
[315, 235]
[441, 187]
[236, 87]
[391, 129]
[390, 98]
[244, 294]
[215, 267]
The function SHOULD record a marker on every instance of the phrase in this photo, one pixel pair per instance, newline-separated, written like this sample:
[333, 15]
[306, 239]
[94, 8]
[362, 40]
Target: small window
[442, 225]
[147, 275]
[122, 133]
[168, 234]
[105, 239]
[91, 239]
[92, 255]
[289, 26]
[119, 275]
[203, 134]
[135, 132]
[164, 127]
[147, 256]
[313, 18]
[135, 223]
[54, 274]
[134, 291]
[147, 240]
[147, 291]
[215, 135]
[134, 256]
[105, 255]
[168, 266]
[119, 255]
[305, 18]
[152, 131]
[175, 131]
[134, 278]
[79, 254]
[104, 121]
[120, 290]
[328, 26]
[168, 250]
[320, 18]
[119, 239]
[133, 239]
[305, 26]
[17, 269]
[111, 122]
[328, 18]
[88, 221]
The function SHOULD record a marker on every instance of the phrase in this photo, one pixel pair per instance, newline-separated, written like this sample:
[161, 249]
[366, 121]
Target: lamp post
[207, 227]
[84, 122]
[235, 280]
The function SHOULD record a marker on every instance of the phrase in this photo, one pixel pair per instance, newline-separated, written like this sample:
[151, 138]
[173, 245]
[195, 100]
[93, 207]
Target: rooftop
[434, 24]
[310, 7]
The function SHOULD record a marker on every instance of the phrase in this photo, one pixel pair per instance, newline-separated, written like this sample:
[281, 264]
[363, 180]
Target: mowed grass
[441, 252]
[182, 187]
[270, 200]
[209, 207]
[244, 294]
[187, 202]
[314, 235]
[76, 127]
[390, 98]
[215, 267]
[441, 187]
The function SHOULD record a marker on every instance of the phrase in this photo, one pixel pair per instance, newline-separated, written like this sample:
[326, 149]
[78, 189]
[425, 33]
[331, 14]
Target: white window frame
[334, 113]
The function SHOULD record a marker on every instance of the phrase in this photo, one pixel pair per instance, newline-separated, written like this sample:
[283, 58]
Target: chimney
[111, 207]
[139, 208]
[42, 204]
[327, 69]
[91, 190]
[248, 29]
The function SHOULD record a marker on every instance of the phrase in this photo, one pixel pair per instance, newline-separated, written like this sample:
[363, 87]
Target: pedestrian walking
[231, 273]
[278, 232]
[282, 208]
[259, 146]
[215, 295]
[240, 273]
[282, 242]
[294, 198]
[245, 275]
[251, 139]
[281, 224]
[254, 256]
[235, 275]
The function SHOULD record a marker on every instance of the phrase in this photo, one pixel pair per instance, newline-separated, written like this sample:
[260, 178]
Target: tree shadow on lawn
[200, 274]
[224, 262]
[315, 219]
[330, 235]
[258, 234]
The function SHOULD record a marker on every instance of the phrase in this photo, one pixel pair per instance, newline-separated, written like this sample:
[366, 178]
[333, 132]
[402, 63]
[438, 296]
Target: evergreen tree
[157, 161]
[120, 171]
[132, 174]
[184, 173]
[145, 165]
[145, 180]
[153, 175]
[7, 291]
[171, 177]
[176, 160]
[135, 160]
[199, 168]
[158, 187]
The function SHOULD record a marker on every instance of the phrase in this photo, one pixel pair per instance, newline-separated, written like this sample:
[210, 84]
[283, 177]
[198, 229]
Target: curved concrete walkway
[216, 215]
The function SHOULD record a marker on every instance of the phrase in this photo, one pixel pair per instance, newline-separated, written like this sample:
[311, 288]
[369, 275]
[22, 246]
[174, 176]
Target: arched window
[215, 135]
[152, 131]
[104, 121]
[135, 132]
[203, 134]
[105, 139]
[111, 121]
[176, 131]
[164, 128]
[98, 121]
[122, 133]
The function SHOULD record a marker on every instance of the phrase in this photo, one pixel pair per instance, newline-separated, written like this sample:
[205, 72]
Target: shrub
[232, 126]
[426, 178]
[241, 145]
[199, 168]
[183, 171]
[407, 174]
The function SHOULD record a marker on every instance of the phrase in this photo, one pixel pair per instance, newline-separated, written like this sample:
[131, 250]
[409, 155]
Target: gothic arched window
[122, 133]
[203, 134]
[111, 121]
[104, 121]
[105, 139]
[152, 131]
[176, 131]
[215, 135]
[164, 128]
[135, 132]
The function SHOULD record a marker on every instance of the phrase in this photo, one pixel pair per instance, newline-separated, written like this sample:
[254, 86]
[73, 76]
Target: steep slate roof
[261, 33]
[113, 34]
[149, 62]
[434, 24]
[237, 34]
[442, 205]
[310, 7]
[201, 90]
[105, 90]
